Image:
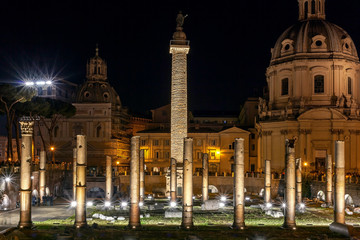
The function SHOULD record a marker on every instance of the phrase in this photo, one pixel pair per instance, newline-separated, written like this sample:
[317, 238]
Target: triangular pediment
[234, 130]
[322, 114]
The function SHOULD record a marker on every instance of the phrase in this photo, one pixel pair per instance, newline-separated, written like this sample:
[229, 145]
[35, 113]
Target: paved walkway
[60, 210]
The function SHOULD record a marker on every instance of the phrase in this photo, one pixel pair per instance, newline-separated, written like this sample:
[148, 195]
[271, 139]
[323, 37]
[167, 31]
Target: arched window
[98, 131]
[313, 6]
[56, 131]
[306, 9]
[349, 86]
[285, 87]
[319, 84]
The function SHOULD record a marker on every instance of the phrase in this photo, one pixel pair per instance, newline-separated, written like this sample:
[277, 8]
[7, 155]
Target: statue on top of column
[180, 19]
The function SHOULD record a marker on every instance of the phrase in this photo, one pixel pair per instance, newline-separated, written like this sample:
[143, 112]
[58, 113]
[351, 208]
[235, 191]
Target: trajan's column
[179, 48]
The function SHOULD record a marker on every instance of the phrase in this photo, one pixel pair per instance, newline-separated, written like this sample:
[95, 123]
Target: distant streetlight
[52, 149]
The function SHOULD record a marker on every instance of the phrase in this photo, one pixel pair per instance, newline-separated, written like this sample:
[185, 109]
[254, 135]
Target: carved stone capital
[336, 131]
[284, 132]
[305, 131]
[267, 133]
[27, 127]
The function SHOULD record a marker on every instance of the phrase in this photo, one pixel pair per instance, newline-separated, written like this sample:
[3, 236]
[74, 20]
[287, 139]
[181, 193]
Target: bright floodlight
[268, 205]
[221, 204]
[223, 198]
[149, 197]
[124, 204]
[247, 198]
[283, 205]
[107, 203]
[7, 179]
[172, 204]
[141, 204]
[40, 83]
[302, 205]
[89, 204]
[32, 177]
[29, 83]
[73, 204]
[48, 82]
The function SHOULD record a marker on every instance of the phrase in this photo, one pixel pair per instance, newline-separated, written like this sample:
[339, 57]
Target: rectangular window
[253, 147]
[49, 91]
[167, 154]
[156, 142]
[40, 91]
[167, 142]
[157, 155]
[319, 84]
[349, 86]
[285, 87]
[212, 155]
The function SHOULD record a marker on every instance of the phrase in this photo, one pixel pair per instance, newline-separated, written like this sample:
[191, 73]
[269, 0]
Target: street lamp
[52, 149]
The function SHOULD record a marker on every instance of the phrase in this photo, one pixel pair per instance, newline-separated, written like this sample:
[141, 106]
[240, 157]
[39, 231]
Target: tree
[10, 97]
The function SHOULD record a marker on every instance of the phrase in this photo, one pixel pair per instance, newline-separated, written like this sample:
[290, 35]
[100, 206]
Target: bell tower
[96, 68]
[311, 9]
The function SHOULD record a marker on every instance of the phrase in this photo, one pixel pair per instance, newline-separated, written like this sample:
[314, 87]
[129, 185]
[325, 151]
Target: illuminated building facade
[313, 83]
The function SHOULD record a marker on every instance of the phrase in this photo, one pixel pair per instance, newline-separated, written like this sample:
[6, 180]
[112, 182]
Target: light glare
[73, 204]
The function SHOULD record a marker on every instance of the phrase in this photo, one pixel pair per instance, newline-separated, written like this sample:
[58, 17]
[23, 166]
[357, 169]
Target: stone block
[277, 214]
[210, 205]
[173, 214]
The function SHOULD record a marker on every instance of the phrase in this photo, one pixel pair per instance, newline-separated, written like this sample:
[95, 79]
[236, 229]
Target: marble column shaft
[74, 172]
[42, 176]
[187, 215]
[134, 220]
[289, 218]
[173, 180]
[81, 164]
[239, 182]
[109, 185]
[298, 181]
[25, 174]
[142, 175]
[205, 177]
[329, 180]
[339, 203]
[267, 195]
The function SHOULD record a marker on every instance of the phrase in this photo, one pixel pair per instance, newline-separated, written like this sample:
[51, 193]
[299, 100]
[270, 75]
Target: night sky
[230, 44]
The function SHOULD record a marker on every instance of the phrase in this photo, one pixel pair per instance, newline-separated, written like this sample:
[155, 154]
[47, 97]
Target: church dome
[97, 89]
[98, 92]
[315, 37]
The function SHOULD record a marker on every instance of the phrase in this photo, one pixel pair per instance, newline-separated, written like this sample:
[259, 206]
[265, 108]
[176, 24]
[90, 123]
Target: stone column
[239, 219]
[74, 173]
[81, 161]
[25, 174]
[142, 175]
[42, 178]
[109, 185]
[339, 203]
[179, 48]
[205, 177]
[289, 218]
[173, 180]
[267, 195]
[298, 181]
[187, 215]
[329, 181]
[134, 220]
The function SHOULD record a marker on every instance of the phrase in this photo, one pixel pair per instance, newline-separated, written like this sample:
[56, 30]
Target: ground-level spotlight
[149, 197]
[223, 198]
[221, 205]
[169, 197]
[89, 204]
[172, 204]
[247, 198]
[194, 197]
[141, 204]
[32, 177]
[268, 205]
[283, 205]
[124, 204]
[7, 179]
[107, 203]
[73, 204]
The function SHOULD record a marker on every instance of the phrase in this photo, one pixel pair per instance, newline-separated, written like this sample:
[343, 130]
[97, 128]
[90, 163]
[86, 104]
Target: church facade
[313, 84]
